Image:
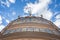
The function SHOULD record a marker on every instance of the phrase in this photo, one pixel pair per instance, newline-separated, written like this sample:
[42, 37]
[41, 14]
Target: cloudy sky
[11, 9]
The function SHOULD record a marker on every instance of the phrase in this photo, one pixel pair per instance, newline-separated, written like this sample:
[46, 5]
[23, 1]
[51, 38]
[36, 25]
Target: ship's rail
[31, 29]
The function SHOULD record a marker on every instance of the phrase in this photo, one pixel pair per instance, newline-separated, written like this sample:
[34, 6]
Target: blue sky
[11, 9]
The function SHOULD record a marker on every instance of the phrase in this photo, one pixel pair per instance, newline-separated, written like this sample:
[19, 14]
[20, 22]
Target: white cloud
[58, 16]
[0, 19]
[1, 27]
[39, 8]
[57, 23]
[7, 3]
[47, 14]
[13, 13]
[12, 1]
[24, 15]
[7, 21]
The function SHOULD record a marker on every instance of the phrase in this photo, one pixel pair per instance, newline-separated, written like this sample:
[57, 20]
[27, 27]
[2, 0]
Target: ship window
[42, 30]
[12, 31]
[55, 32]
[6, 32]
[29, 29]
[47, 30]
[18, 29]
[24, 29]
[36, 29]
